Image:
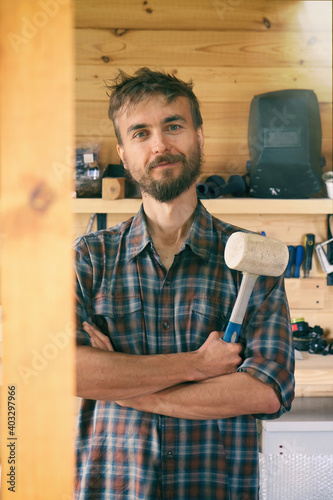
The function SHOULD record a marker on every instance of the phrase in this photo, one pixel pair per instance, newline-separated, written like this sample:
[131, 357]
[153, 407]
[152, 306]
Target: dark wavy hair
[125, 89]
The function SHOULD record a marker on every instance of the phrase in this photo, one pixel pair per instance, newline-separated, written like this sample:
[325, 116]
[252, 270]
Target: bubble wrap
[296, 477]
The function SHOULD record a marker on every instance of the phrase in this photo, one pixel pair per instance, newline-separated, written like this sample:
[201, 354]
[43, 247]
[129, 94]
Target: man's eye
[140, 134]
[174, 127]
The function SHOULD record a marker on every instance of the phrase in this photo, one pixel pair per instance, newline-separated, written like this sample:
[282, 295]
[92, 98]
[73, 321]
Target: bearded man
[169, 409]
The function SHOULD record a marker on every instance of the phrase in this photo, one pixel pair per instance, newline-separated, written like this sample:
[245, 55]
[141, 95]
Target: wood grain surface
[36, 258]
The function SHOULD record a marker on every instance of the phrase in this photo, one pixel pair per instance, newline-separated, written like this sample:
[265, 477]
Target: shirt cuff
[285, 389]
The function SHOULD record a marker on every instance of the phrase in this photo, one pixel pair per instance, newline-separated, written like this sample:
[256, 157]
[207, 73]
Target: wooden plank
[314, 375]
[222, 119]
[305, 293]
[36, 257]
[218, 84]
[203, 48]
[257, 15]
[280, 224]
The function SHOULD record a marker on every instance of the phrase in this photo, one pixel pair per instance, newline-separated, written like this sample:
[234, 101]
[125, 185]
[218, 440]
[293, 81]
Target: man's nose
[160, 143]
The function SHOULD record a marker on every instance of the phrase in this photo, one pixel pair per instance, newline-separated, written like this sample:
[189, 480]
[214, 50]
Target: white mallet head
[256, 254]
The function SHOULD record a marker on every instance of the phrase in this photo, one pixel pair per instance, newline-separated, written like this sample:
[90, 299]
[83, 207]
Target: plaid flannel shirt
[122, 287]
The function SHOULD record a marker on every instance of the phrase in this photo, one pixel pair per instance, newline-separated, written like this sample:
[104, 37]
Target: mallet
[254, 255]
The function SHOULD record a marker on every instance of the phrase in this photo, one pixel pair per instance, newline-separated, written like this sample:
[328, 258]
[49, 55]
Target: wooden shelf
[221, 206]
[314, 375]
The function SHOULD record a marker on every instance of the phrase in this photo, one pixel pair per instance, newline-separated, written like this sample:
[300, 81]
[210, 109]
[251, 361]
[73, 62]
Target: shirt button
[169, 455]
[167, 283]
[166, 325]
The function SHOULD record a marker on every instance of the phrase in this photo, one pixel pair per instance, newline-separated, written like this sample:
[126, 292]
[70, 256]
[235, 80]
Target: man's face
[161, 150]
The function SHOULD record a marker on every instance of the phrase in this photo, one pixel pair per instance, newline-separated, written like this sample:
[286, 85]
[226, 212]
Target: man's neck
[169, 223]
[171, 218]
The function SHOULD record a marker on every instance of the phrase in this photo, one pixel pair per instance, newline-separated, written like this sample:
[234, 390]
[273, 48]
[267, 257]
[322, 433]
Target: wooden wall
[233, 50]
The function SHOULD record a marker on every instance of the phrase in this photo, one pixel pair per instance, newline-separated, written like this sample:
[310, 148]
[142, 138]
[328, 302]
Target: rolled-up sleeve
[84, 278]
[268, 342]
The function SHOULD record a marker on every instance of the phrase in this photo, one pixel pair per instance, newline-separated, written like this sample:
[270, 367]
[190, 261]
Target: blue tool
[298, 260]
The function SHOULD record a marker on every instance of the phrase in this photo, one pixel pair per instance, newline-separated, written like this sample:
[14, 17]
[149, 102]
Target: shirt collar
[138, 236]
[199, 238]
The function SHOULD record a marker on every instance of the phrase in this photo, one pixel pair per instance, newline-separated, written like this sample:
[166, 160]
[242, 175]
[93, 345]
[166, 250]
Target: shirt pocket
[121, 318]
[207, 315]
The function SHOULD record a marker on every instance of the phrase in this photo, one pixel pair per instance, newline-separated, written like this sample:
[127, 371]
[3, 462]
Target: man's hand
[215, 357]
[97, 338]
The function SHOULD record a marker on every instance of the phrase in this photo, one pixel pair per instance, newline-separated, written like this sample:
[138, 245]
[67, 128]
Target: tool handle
[298, 260]
[232, 332]
[309, 245]
[238, 312]
[291, 261]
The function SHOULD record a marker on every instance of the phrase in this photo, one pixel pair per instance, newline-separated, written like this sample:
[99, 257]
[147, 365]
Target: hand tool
[253, 255]
[291, 261]
[309, 245]
[91, 221]
[326, 266]
[298, 260]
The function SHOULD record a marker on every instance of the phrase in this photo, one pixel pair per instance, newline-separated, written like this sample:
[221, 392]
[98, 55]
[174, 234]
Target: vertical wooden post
[36, 257]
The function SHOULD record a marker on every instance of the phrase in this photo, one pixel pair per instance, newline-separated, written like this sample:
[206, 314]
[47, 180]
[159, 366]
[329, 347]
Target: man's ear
[120, 151]
[201, 138]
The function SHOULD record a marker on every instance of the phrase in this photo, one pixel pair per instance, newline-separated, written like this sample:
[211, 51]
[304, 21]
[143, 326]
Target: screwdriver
[309, 246]
[298, 260]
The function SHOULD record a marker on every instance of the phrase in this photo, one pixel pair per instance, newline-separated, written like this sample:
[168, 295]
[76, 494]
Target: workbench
[314, 375]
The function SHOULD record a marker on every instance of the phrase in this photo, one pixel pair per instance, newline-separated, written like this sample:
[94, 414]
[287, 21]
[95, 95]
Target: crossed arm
[202, 384]
[220, 397]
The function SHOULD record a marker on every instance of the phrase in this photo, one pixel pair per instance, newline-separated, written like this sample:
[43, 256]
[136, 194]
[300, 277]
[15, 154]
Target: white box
[296, 452]
[307, 429]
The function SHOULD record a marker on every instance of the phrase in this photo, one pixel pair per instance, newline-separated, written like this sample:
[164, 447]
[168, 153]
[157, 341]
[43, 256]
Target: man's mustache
[168, 158]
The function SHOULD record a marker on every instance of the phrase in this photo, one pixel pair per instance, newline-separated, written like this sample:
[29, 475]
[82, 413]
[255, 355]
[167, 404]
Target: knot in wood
[41, 197]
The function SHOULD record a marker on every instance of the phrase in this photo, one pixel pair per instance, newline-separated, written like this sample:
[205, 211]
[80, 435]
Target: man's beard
[170, 187]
